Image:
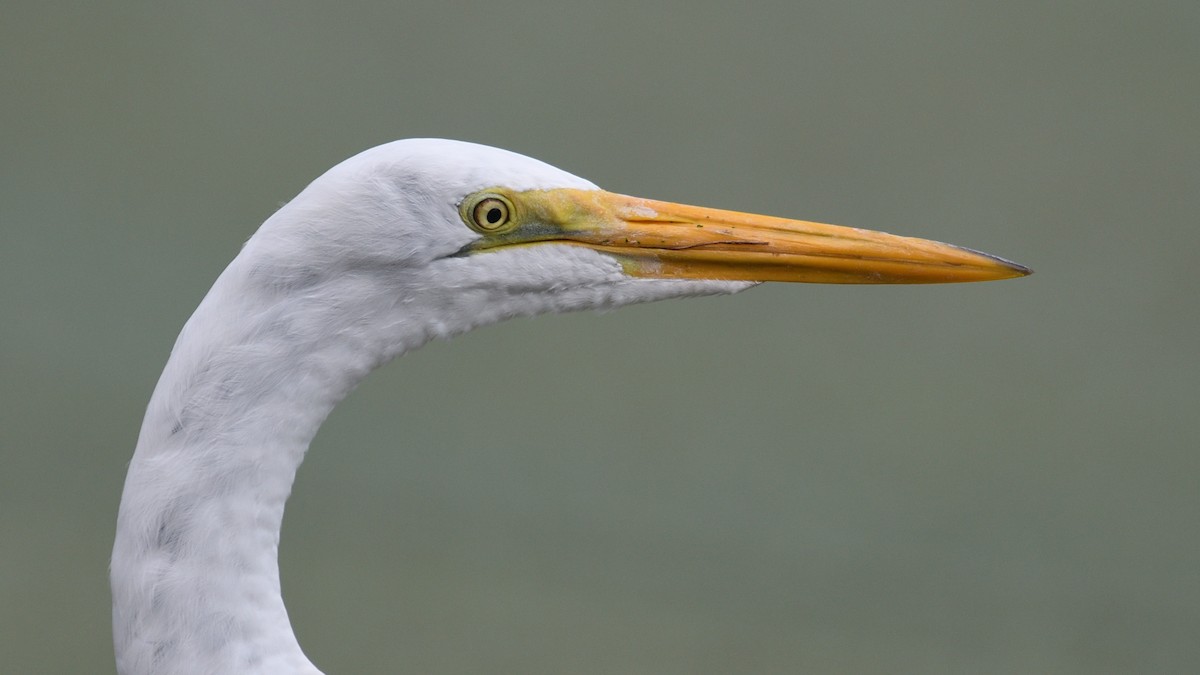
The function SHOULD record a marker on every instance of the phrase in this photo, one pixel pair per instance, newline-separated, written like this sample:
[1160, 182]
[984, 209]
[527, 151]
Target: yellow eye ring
[489, 213]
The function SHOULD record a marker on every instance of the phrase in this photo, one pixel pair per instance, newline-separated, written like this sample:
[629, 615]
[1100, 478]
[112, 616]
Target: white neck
[294, 323]
[195, 576]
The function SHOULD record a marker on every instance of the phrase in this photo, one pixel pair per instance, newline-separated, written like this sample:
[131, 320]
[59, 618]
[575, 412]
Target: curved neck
[195, 577]
[273, 347]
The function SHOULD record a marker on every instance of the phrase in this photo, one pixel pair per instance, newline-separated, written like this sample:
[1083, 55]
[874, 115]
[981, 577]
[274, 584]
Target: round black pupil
[493, 215]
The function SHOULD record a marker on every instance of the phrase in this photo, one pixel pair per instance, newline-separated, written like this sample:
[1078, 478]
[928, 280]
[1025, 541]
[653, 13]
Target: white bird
[409, 241]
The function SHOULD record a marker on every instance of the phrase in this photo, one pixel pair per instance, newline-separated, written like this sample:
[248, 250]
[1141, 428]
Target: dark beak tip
[1018, 269]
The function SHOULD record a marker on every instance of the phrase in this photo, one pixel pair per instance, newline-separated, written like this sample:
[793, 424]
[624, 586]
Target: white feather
[357, 269]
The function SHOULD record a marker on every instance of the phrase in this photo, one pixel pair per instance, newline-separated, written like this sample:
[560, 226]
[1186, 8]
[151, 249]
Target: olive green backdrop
[996, 478]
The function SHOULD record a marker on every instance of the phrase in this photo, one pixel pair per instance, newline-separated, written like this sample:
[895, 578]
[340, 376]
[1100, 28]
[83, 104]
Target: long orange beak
[656, 239]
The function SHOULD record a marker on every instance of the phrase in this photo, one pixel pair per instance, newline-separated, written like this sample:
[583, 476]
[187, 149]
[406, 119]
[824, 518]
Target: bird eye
[491, 213]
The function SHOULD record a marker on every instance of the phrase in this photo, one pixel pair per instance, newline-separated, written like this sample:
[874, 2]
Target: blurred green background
[996, 478]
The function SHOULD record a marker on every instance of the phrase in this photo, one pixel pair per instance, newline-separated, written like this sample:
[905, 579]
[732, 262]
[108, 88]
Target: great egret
[406, 242]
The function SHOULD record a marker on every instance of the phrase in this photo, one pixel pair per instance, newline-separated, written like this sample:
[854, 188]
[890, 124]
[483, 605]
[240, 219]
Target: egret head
[496, 234]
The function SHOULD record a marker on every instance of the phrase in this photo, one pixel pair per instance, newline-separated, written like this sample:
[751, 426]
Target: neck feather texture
[195, 577]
